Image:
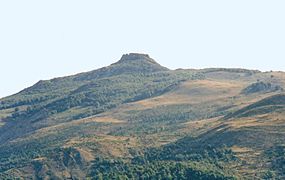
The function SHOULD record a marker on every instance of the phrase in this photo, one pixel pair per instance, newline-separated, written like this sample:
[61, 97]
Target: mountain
[136, 119]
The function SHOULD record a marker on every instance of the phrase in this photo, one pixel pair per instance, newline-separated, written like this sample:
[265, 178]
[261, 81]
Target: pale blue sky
[45, 39]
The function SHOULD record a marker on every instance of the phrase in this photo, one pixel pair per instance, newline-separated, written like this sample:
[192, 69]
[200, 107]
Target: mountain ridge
[137, 119]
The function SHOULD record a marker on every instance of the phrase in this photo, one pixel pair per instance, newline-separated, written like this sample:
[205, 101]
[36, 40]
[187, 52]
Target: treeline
[161, 170]
[174, 161]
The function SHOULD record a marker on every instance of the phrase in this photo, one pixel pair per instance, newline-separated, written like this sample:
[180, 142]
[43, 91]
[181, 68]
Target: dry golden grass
[201, 126]
[6, 112]
[238, 149]
[112, 146]
[1, 123]
[197, 91]
[245, 123]
[86, 154]
[40, 159]
[105, 120]
[54, 130]
[273, 119]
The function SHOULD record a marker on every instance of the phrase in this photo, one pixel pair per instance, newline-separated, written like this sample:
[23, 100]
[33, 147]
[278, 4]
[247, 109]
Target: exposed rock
[136, 57]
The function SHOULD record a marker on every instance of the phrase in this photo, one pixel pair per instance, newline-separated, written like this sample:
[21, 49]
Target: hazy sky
[45, 39]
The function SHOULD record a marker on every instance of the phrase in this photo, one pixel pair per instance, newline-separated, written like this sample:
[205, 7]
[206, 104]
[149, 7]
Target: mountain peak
[135, 57]
[131, 63]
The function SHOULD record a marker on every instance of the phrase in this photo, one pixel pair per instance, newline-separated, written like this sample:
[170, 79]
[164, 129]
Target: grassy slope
[190, 115]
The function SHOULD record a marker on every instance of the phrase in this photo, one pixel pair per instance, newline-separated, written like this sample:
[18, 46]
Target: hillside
[136, 119]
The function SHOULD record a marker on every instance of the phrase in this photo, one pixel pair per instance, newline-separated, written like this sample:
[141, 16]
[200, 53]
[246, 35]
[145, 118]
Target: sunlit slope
[199, 123]
[48, 103]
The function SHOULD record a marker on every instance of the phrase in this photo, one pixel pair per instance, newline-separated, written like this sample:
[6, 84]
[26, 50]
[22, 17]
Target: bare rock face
[136, 63]
[136, 57]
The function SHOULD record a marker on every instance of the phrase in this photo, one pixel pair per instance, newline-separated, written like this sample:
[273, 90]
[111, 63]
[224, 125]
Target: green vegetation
[97, 95]
[116, 169]
[138, 120]
[277, 157]
[261, 87]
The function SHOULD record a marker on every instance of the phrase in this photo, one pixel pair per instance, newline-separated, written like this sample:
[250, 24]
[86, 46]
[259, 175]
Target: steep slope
[136, 118]
[132, 63]
[90, 93]
[267, 105]
[41, 92]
